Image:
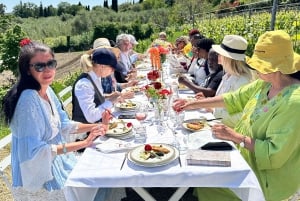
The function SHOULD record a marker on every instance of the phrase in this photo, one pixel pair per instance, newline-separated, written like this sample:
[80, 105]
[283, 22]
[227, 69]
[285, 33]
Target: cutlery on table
[109, 112]
[124, 159]
[179, 160]
[214, 119]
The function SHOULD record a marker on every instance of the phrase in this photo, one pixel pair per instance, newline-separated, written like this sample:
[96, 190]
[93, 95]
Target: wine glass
[141, 113]
[183, 64]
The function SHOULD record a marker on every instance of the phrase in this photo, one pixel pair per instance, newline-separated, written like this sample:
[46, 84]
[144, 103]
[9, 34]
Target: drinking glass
[183, 64]
[141, 113]
[140, 135]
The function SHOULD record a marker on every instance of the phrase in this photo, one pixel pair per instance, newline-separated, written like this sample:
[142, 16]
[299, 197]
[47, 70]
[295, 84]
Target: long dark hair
[25, 80]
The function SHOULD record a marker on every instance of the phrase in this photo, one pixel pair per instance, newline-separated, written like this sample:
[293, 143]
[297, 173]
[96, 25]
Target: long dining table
[112, 169]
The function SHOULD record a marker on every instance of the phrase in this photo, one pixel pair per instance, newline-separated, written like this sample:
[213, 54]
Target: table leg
[178, 194]
[143, 193]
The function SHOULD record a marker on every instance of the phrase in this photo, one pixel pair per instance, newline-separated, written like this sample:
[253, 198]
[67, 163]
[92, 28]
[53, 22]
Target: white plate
[120, 130]
[144, 66]
[128, 105]
[135, 89]
[206, 126]
[134, 156]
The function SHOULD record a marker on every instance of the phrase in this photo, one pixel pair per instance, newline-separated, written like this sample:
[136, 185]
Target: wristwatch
[243, 142]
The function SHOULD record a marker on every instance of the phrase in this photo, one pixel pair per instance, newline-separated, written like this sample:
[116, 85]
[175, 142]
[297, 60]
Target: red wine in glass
[183, 64]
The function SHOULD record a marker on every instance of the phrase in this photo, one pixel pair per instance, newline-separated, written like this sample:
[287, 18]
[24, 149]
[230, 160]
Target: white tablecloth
[96, 169]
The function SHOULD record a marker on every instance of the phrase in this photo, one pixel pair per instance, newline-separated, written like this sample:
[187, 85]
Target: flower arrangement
[157, 55]
[153, 75]
[155, 91]
[159, 97]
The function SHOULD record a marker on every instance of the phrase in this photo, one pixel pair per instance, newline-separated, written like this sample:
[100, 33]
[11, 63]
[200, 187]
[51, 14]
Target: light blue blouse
[34, 164]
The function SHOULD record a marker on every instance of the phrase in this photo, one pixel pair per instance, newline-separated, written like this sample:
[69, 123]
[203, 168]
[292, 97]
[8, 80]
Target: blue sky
[11, 3]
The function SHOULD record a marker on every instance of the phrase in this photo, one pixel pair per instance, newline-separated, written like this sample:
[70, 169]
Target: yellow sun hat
[274, 52]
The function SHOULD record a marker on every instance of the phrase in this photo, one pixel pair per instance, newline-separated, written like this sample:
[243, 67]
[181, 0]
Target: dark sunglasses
[40, 67]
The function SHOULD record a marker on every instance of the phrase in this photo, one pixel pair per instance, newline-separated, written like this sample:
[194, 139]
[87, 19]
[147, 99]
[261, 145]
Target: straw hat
[100, 43]
[274, 52]
[233, 46]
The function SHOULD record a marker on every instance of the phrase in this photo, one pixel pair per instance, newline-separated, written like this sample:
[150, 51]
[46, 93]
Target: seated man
[212, 81]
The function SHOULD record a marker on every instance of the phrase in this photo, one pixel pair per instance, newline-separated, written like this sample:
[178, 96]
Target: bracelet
[64, 148]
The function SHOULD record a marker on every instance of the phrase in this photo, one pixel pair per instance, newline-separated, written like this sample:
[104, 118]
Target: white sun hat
[232, 46]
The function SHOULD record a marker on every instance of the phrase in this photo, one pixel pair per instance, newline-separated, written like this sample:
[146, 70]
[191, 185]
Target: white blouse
[229, 83]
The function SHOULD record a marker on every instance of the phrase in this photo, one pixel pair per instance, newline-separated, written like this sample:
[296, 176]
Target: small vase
[158, 111]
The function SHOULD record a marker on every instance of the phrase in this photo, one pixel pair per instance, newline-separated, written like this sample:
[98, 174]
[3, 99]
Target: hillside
[67, 63]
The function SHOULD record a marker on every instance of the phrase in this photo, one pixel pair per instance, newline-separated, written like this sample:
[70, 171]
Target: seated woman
[267, 134]
[178, 60]
[212, 81]
[237, 73]
[41, 158]
[88, 100]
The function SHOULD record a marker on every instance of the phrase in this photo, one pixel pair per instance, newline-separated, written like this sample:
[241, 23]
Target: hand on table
[98, 130]
[132, 83]
[199, 96]
[224, 132]
[127, 95]
[183, 79]
[178, 104]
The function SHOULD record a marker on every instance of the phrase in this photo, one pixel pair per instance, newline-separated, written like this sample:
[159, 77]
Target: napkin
[112, 145]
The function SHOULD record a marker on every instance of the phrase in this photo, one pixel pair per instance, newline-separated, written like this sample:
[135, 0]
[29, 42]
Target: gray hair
[120, 38]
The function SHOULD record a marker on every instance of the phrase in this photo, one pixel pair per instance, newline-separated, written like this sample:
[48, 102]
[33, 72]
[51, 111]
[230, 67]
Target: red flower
[157, 85]
[129, 124]
[164, 92]
[153, 75]
[24, 41]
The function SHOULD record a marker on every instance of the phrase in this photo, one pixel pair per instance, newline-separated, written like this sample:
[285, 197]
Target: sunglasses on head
[40, 67]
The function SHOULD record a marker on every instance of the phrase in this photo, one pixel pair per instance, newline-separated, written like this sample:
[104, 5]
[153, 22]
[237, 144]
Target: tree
[26, 10]
[10, 48]
[114, 5]
[2, 9]
[63, 7]
[105, 4]
[41, 11]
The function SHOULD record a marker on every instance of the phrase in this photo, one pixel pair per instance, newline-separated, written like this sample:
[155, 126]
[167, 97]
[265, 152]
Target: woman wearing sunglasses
[41, 159]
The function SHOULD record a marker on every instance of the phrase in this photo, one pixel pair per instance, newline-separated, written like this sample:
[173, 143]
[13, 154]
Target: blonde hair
[86, 63]
[235, 67]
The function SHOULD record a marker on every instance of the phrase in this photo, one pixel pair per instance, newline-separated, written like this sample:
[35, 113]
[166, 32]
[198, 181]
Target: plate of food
[143, 66]
[118, 128]
[141, 77]
[182, 87]
[127, 105]
[135, 89]
[195, 124]
[153, 155]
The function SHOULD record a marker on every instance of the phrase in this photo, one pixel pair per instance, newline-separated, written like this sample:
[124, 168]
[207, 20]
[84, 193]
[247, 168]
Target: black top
[77, 114]
[213, 80]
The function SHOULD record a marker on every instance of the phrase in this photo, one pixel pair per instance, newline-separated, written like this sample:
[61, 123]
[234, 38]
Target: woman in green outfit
[268, 132]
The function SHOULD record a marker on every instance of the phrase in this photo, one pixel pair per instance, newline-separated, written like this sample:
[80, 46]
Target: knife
[179, 160]
[214, 119]
[124, 159]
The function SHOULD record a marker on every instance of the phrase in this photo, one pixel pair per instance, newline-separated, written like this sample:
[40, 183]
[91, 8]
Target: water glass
[140, 134]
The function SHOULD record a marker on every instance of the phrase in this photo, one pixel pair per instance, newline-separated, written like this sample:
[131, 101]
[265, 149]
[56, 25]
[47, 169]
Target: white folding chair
[6, 161]
[65, 96]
